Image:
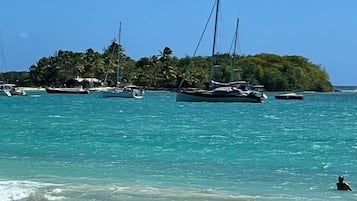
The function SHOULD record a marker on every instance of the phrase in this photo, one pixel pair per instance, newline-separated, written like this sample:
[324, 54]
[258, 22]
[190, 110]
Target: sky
[323, 31]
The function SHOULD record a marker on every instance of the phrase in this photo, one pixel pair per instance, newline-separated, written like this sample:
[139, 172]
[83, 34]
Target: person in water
[341, 185]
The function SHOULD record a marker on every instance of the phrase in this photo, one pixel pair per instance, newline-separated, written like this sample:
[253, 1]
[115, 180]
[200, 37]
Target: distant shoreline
[93, 89]
[341, 88]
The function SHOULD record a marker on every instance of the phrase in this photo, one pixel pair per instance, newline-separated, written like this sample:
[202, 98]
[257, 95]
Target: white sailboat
[7, 89]
[237, 91]
[122, 90]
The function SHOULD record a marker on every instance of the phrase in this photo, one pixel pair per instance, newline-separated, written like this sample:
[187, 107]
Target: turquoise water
[83, 147]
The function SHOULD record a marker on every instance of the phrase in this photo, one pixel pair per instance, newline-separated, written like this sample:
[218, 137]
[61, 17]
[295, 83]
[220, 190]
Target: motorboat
[11, 90]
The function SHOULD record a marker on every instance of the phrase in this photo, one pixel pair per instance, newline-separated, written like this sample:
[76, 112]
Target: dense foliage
[276, 73]
[18, 78]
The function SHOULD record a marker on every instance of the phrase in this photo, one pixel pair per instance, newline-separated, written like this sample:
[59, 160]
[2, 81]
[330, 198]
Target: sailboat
[236, 91]
[7, 89]
[122, 90]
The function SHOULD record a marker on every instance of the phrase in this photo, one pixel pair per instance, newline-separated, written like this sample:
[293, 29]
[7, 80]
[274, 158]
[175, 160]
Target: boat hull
[123, 93]
[11, 90]
[183, 96]
[5, 93]
[18, 92]
[66, 91]
[289, 97]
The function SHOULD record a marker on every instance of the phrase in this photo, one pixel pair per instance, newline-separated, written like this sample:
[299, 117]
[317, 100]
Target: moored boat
[121, 90]
[290, 96]
[221, 94]
[77, 90]
[11, 90]
[17, 91]
[128, 91]
[237, 91]
[4, 91]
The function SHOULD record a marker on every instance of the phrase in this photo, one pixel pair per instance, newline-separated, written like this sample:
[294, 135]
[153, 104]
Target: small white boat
[290, 96]
[128, 91]
[11, 90]
[5, 89]
[17, 91]
[5, 92]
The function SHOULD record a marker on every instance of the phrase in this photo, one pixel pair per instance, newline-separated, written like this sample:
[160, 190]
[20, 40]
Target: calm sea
[84, 147]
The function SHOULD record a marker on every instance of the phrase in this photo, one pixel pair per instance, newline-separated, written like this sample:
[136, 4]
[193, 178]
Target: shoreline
[94, 89]
[354, 90]
[33, 88]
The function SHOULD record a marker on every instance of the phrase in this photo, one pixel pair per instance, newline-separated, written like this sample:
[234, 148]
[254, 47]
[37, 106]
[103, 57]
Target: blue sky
[323, 31]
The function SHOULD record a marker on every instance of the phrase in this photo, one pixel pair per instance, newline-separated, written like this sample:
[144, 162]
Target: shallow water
[83, 147]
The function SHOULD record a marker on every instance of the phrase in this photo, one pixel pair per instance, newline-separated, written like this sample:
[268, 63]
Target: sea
[88, 148]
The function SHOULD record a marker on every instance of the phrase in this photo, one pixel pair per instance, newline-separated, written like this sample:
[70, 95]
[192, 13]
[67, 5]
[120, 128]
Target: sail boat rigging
[213, 60]
[7, 89]
[122, 90]
[234, 69]
[118, 68]
[220, 92]
[115, 47]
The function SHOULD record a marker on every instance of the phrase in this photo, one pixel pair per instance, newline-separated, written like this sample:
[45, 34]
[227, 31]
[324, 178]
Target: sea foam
[21, 190]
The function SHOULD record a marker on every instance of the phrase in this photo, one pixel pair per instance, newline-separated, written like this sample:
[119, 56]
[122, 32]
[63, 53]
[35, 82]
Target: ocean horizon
[84, 147]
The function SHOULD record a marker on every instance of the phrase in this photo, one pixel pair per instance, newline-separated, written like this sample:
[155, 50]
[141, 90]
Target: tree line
[165, 71]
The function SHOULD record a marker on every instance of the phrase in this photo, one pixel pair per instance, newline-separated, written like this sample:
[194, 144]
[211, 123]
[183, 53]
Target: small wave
[23, 190]
[35, 95]
[180, 194]
[36, 191]
[54, 116]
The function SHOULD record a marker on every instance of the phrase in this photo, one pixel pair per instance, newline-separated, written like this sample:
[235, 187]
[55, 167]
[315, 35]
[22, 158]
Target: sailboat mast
[235, 38]
[213, 60]
[234, 52]
[119, 36]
